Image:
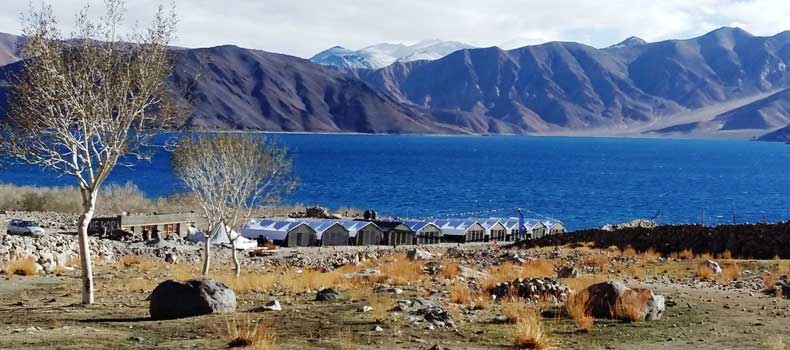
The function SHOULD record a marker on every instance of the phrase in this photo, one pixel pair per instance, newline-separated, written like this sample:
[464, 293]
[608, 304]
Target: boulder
[604, 298]
[327, 294]
[714, 266]
[568, 272]
[273, 305]
[173, 299]
[418, 254]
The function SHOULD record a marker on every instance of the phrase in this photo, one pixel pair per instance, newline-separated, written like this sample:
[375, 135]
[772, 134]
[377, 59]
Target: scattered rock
[532, 289]
[327, 294]
[714, 266]
[604, 296]
[378, 329]
[273, 305]
[172, 299]
[568, 272]
[418, 254]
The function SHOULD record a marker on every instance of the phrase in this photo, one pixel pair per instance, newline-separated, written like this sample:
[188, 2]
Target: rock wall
[757, 241]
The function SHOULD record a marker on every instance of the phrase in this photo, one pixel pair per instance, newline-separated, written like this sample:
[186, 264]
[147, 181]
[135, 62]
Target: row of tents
[326, 232]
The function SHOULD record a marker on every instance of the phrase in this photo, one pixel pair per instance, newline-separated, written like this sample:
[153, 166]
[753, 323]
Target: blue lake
[585, 182]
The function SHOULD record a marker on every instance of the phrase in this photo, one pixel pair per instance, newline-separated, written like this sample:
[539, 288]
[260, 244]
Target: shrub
[629, 251]
[528, 333]
[250, 334]
[129, 260]
[22, 267]
[686, 254]
[731, 272]
[577, 307]
[650, 255]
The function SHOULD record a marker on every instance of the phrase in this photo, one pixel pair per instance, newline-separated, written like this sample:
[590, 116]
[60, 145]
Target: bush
[450, 269]
[515, 309]
[731, 272]
[22, 267]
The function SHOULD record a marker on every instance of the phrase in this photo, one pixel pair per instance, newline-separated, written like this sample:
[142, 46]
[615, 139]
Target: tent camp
[425, 232]
[495, 230]
[554, 227]
[535, 228]
[220, 237]
[329, 233]
[363, 232]
[396, 233]
[283, 232]
[462, 230]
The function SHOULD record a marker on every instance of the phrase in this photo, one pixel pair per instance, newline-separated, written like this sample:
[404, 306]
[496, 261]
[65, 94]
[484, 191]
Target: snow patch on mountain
[382, 55]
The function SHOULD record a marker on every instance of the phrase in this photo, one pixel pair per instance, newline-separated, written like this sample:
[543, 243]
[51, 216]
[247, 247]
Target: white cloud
[304, 27]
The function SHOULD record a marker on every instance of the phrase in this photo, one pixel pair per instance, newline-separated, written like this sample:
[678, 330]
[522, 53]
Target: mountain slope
[248, 89]
[9, 52]
[572, 86]
[781, 135]
[382, 55]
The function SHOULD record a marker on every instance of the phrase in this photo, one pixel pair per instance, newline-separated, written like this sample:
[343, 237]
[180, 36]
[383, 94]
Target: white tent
[220, 237]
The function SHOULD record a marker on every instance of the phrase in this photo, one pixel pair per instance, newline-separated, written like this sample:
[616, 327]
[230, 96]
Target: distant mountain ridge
[781, 135]
[553, 88]
[382, 55]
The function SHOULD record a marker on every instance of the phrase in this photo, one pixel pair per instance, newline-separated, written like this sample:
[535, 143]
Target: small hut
[285, 233]
[535, 229]
[425, 232]
[329, 233]
[554, 227]
[511, 224]
[495, 230]
[461, 230]
[363, 232]
[396, 233]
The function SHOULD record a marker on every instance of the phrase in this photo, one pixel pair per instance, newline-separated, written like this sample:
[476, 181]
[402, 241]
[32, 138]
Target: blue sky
[304, 27]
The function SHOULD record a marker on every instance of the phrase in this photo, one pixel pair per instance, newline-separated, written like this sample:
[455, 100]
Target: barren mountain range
[727, 82]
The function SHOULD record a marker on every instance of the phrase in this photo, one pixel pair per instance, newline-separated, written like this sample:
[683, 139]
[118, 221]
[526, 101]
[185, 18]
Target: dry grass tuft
[650, 255]
[462, 295]
[381, 304]
[21, 267]
[515, 309]
[130, 260]
[631, 305]
[510, 271]
[528, 333]
[401, 271]
[686, 254]
[582, 282]
[250, 334]
[577, 307]
[730, 272]
[597, 260]
[538, 268]
[726, 255]
[704, 272]
[629, 251]
[450, 269]
[345, 340]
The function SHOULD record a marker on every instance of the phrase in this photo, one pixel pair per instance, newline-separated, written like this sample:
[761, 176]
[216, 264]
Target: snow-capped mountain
[630, 42]
[382, 55]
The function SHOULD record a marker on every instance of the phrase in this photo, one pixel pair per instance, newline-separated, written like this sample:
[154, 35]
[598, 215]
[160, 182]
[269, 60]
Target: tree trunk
[236, 264]
[88, 208]
[206, 255]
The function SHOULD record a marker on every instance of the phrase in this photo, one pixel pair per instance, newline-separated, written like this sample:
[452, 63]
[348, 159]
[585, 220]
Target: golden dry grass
[577, 307]
[730, 272]
[250, 334]
[650, 256]
[686, 254]
[582, 282]
[21, 267]
[597, 260]
[450, 269]
[528, 333]
[537, 268]
[509, 271]
[516, 308]
[726, 255]
[704, 272]
[460, 293]
[345, 340]
[381, 304]
[401, 271]
[631, 305]
[131, 260]
[630, 252]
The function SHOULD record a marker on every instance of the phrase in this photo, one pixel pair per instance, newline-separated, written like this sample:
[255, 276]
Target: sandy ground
[43, 312]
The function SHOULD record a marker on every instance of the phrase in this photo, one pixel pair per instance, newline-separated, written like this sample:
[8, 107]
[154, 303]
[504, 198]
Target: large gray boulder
[604, 297]
[173, 299]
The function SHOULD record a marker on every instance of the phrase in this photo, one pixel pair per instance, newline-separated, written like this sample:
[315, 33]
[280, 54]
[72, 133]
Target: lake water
[586, 182]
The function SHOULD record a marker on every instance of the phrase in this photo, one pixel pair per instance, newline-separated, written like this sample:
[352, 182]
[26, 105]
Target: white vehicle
[24, 228]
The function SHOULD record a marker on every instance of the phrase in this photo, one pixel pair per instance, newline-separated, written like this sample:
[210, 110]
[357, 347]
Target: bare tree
[81, 103]
[230, 174]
